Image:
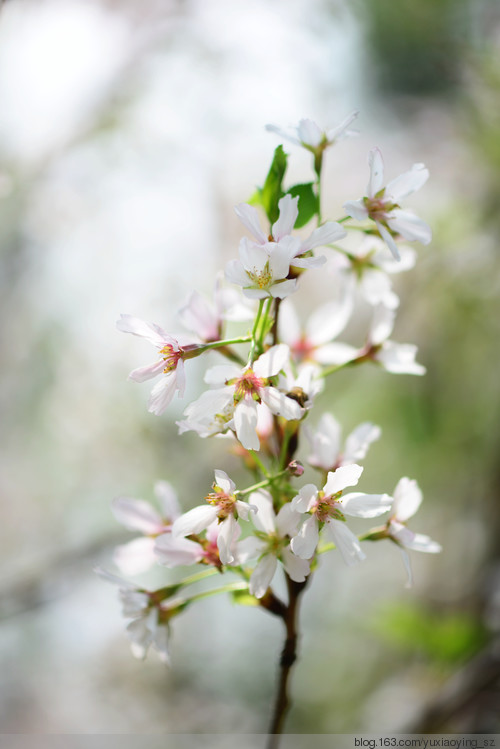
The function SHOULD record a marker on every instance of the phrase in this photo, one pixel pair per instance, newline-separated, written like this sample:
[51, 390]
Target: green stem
[226, 342]
[265, 482]
[263, 325]
[214, 591]
[254, 332]
[336, 367]
[259, 462]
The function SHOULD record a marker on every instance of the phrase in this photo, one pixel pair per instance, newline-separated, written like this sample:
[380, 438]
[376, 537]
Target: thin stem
[265, 482]
[336, 367]
[254, 332]
[260, 464]
[227, 342]
[288, 658]
[229, 588]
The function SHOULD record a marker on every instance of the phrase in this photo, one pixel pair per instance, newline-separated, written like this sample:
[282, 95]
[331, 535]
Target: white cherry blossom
[328, 507]
[309, 135]
[381, 204]
[171, 362]
[407, 499]
[206, 319]
[326, 443]
[397, 358]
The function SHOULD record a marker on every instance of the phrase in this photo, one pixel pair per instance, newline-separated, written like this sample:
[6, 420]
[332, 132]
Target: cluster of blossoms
[261, 397]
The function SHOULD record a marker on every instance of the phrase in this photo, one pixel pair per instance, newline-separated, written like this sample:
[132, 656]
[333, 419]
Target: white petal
[174, 551]
[262, 575]
[407, 499]
[280, 290]
[376, 288]
[424, 543]
[297, 568]
[310, 133]
[167, 499]
[272, 361]
[399, 358]
[248, 549]
[249, 217]
[162, 393]
[279, 404]
[287, 521]
[141, 374]
[388, 239]
[222, 479]
[325, 443]
[356, 209]
[329, 320]
[151, 332]
[376, 164]
[328, 233]
[244, 509]
[287, 217]
[137, 515]
[283, 134]
[221, 373]
[361, 505]
[304, 543]
[305, 498]
[345, 541]
[264, 519]
[194, 521]
[342, 477]
[245, 422]
[335, 353]
[236, 273]
[340, 131]
[382, 324]
[289, 323]
[135, 557]
[308, 262]
[410, 226]
[407, 183]
[359, 441]
[227, 534]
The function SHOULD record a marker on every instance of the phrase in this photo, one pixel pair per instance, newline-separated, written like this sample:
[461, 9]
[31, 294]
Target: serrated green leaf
[272, 191]
[308, 202]
[243, 598]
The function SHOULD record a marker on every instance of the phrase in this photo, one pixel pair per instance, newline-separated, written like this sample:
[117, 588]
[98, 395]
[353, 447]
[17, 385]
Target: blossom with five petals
[328, 507]
[381, 204]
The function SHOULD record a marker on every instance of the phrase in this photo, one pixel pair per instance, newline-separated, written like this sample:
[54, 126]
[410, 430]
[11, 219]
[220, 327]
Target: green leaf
[308, 202]
[243, 598]
[272, 191]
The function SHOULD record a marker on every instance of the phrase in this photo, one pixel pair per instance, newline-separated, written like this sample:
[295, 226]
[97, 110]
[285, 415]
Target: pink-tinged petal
[335, 353]
[176, 551]
[376, 164]
[222, 479]
[297, 568]
[305, 499]
[342, 477]
[279, 404]
[272, 362]
[283, 134]
[341, 130]
[329, 320]
[279, 290]
[388, 239]
[236, 273]
[288, 212]
[356, 209]
[147, 373]
[399, 358]
[410, 226]
[287, 521]
[167, 499]
[325, 443]
[264, 519]
[249, 217]
[197, 315]
[262, 575]
[137, 515]
[304, 543]
[194, 521]
[345, 541]
[310, 133]
[135, 557]
[359, 441]
[151, 332]
[227, 534]
[325, 234]
[162, 393]
[407, 183]
[382, 324]
[245, 422]
[361, 505]
[407, 499]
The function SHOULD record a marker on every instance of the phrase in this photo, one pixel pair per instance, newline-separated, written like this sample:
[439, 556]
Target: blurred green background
[127, 133]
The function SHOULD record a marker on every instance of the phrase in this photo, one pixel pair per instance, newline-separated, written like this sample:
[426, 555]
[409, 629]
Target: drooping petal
[297, 568]
[388, 239]
[264, 519]
[227, 534]
[140, 637]
[135, 557]
[345, 541]
[262, 575]
[376, 164]
[304, 543]
[194, 521]
[288, 212]
[245, 422]
[249, 217]
[407, 183]
[407, 499]
[342, 477]
[424, 543]
[137, 515]
[361, 505]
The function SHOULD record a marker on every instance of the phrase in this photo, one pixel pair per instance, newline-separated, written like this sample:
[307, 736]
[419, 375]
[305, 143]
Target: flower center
[225, 503]
[248, 384]
[303, 349]
[261, 278]
[170, 357]
[328, 507]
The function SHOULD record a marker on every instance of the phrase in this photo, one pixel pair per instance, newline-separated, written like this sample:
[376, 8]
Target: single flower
[326, 443]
